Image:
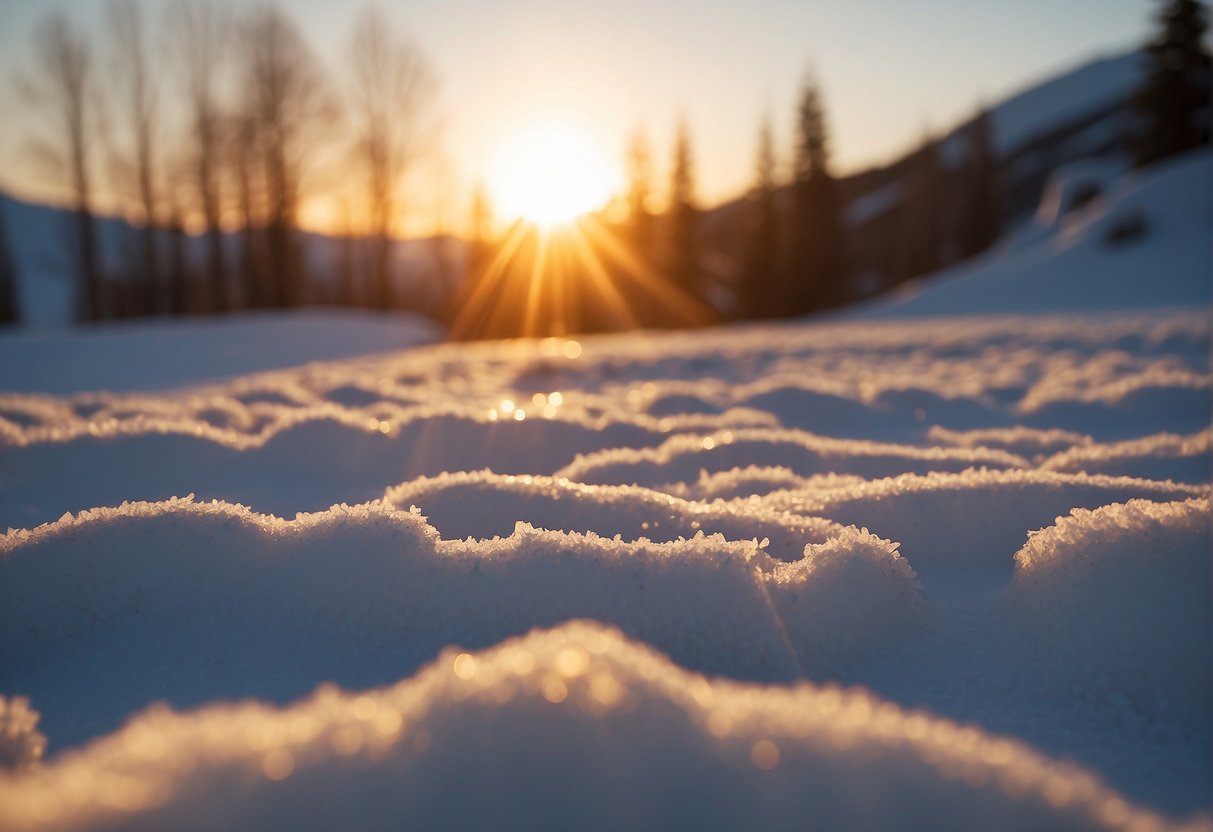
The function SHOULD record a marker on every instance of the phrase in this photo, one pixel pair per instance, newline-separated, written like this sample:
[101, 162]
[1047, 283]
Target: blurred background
[546, 168]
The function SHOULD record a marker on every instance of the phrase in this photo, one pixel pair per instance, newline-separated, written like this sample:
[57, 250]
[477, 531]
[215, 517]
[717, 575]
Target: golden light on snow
[552, 170]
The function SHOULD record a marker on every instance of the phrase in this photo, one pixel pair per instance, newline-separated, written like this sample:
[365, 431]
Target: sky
[891, 71]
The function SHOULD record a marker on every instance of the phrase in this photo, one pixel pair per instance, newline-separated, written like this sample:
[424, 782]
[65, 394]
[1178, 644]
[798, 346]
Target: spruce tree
[820, 261]
[757, 297]
[683, 218]
[1173, 101]
[640, 174]
[919, 244]
[980, 223]
[10, 312]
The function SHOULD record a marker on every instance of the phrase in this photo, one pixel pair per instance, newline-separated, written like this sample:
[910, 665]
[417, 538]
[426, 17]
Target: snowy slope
[1088, 89]
[1069, 261]
[167, 353]
[937, 564]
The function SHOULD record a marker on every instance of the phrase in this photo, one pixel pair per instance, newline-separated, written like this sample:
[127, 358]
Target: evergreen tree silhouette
[683, 217]
[980, 223]
[758, 295]
[10, 311]
[1173, 101]
[919, 244]
[820, 260]
[640, 178]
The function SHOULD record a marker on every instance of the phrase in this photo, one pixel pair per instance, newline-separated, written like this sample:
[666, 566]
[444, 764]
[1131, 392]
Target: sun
[551, 171]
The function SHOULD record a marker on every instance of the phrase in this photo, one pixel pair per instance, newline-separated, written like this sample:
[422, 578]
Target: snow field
[793, 507]
[626, 735]
[153, 591]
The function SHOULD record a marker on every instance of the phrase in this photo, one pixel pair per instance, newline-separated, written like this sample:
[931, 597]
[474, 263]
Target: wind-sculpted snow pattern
[992, 533]
[625, 736]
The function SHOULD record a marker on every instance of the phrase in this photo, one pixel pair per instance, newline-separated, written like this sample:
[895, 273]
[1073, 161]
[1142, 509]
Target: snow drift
[627, 737]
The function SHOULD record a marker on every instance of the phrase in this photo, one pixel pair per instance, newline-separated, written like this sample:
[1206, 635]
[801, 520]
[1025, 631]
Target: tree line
[263, 122]
[225, 119]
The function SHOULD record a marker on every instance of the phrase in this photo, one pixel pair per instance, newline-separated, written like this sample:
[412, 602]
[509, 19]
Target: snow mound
[572, 727]
[1161, 456]
[20, 743]
[1120, 597]
[928, 515]
[483, 505]
[193, 601]
[683, 458]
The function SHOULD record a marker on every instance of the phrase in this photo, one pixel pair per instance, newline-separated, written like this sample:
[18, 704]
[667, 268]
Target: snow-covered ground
[934, 566]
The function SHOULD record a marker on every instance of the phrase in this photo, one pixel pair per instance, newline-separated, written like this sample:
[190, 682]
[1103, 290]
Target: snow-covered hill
[1143, 242]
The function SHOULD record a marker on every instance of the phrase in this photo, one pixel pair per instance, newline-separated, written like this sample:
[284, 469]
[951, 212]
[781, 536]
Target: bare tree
[135, 96]
[58, 83]
[199, 35]
[391, 90]
[290, 110]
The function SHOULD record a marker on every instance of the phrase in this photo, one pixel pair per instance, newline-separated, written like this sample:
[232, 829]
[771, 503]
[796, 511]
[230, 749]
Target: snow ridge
[630, 735]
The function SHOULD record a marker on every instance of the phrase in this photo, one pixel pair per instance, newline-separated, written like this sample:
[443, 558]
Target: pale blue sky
[890, 68]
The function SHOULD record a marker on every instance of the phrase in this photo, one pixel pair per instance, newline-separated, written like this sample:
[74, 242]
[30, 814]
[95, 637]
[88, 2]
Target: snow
[627, 737]
[1067, 261]
[941, 564]
[1040, 108]
[177, 353]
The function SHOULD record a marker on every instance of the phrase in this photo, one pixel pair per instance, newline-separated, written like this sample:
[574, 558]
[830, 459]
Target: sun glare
[550, 172]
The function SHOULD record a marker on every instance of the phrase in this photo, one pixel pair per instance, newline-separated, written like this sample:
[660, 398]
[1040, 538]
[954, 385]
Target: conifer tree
[10, 312]
[919, 244]
[683, 217]
[640, 174]
[758, 290]
[980, 222]
[1173, 102]
[820, 260]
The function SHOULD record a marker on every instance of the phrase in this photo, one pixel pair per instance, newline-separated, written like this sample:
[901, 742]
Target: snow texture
[626, 736]
[919, 557]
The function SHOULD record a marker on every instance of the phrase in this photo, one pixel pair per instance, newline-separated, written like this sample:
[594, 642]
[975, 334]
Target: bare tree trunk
[137, 95]
[59, 82]
[390, 92]
[289, 106]
[200, 38]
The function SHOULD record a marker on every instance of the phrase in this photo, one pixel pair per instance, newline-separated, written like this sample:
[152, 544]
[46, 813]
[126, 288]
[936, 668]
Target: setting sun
[550, 172]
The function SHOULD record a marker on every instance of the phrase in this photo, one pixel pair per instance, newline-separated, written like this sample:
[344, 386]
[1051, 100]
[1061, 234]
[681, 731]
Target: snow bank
[930, 515]
[166, 354]
[572, 727]
[1119, 598]
[682, 458]
[194, 601]
[483, 505]
[1161, 456]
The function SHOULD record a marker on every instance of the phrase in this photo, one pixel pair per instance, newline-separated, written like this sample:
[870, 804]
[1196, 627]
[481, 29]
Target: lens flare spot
[278, 764]
[765, 755]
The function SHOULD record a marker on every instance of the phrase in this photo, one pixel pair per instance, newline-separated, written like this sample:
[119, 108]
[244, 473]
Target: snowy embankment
[942, 573]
